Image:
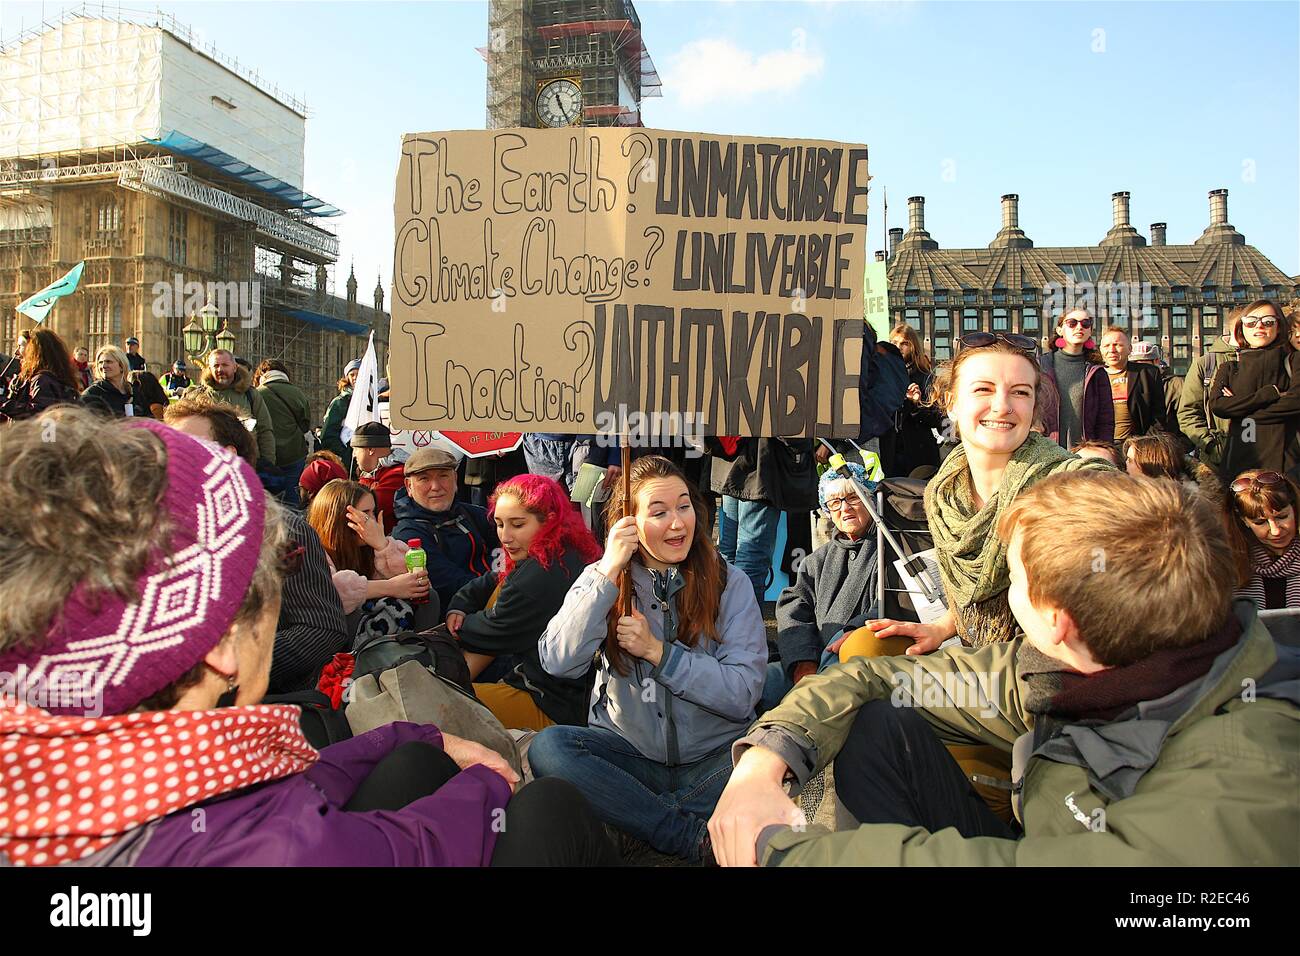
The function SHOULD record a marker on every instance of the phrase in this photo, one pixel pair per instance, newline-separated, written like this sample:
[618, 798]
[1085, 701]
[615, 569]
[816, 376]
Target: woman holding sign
[678, 677]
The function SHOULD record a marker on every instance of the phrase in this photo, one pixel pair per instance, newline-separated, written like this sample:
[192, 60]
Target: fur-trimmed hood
[243, 380]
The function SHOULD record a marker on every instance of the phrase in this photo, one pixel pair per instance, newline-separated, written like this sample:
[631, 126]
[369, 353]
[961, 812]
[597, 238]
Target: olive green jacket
[1222, 787]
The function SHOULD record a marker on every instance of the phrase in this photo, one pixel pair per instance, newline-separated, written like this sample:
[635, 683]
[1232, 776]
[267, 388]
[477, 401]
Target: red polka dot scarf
[70, 786]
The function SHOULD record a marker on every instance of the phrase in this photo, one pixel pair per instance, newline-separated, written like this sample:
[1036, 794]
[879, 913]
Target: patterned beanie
[103, 654]
[830, 478]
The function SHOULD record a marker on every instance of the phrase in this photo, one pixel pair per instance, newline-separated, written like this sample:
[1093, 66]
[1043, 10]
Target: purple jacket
[1098, 405]
[300, 821]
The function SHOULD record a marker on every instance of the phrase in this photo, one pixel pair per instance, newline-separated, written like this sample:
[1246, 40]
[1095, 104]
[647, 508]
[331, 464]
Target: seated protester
[833, 591]
[46, 376]
[369, 569]
[319, 470]
[1104, 450]
[372, 443]
[1161, 456]
[1135, 743]
[1265, 505]
[678, 678]
[457, 537]
[402, 794]
[546, 547]
[311, 626]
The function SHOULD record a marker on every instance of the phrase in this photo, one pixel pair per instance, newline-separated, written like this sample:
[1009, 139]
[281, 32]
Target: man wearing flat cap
[458, 538]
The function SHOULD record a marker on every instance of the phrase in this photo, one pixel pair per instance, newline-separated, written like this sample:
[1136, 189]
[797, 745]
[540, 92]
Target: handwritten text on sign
[544, 276]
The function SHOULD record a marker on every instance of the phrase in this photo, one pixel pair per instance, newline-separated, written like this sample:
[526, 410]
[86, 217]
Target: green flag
[39, 305]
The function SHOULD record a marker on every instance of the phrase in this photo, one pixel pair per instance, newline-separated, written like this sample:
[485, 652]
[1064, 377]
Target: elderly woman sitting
[130, 705]
[833, 590]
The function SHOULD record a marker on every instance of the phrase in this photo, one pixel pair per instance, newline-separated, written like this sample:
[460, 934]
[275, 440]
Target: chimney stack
[1121, 231]
[1119, 207]
[1219, 231]
[916, 214]
[1158, 233]
[1010, 211]
[1011, 236]
[880, 255]
[895, 237]
[1218, 207]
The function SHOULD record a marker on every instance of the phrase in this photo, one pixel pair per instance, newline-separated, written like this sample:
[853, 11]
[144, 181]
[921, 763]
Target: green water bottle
[416, 558]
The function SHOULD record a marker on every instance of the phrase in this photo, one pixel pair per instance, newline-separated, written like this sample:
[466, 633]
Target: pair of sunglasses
[978, 340]
[1082, 323]
[1264, 478]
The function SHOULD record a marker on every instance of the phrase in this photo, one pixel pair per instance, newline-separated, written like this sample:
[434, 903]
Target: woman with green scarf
[991, 393]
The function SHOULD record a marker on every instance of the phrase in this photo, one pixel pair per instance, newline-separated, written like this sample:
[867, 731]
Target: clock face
[559, 103]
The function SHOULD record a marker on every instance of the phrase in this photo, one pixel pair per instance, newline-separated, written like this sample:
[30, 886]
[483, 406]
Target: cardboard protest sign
[875, 297]
[558, 280]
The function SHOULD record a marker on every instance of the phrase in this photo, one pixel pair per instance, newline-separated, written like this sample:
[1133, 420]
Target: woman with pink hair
[545, 546]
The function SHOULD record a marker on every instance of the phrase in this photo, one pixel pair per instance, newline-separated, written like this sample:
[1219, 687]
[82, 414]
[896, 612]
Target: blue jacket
[697, 700]
[460, 542]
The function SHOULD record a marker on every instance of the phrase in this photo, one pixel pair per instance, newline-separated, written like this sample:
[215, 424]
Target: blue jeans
[550, 457]
[668, 807]
[746, 537]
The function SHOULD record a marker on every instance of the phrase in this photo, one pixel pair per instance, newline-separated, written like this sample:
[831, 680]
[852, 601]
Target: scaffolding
[529, 40]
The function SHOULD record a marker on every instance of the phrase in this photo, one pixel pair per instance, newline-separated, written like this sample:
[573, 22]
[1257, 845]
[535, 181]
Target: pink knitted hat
[103, 655]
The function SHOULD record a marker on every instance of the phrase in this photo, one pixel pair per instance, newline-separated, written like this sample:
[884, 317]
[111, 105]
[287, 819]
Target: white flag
[365, 395]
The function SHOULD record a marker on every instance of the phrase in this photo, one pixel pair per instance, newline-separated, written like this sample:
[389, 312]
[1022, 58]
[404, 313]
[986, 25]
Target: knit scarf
[71, 786]
[972, 558]
[1264, 565]
[1052, 689]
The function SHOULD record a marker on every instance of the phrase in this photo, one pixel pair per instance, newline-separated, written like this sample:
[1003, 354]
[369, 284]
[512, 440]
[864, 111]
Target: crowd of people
[1114, 662]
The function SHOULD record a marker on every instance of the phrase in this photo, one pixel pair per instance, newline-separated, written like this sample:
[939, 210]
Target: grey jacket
[833, 588]
[698, 699]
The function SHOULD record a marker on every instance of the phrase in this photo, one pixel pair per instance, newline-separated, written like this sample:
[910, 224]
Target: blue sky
[1062, 103]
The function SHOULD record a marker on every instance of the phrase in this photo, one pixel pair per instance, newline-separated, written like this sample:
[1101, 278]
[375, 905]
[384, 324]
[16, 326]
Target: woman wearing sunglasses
[1265, 505]
[1252, 394]
[1078, 405]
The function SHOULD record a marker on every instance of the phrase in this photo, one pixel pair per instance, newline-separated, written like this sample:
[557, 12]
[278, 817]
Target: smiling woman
[993, 393]
[677, 676]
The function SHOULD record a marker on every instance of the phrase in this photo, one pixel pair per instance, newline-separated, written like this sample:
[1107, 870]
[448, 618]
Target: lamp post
[201, 335]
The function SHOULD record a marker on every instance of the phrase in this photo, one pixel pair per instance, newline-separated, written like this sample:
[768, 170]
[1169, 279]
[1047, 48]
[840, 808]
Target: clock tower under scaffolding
[556, 46]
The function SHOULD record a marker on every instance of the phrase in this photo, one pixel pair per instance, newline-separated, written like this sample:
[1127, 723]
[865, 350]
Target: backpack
[435, 650]
[321, 723]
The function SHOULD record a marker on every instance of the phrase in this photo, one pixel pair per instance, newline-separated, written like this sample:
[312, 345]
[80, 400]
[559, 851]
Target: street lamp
[201, 335]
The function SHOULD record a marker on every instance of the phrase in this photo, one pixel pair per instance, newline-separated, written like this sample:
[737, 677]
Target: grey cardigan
[698, 699]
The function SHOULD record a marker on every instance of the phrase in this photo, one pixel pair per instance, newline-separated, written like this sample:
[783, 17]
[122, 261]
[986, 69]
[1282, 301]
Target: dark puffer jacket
[530, 596]
[459, 542]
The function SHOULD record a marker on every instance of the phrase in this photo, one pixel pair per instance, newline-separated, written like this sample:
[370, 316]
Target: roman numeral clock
[555, 64]
[559, 102]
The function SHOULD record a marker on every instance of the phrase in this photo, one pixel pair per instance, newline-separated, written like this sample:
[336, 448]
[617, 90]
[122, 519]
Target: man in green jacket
[1208, 433]
[290, 412]
[229, 383]
[1166, 737]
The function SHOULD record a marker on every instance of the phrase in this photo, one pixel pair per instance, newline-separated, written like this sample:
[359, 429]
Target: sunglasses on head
[1265, 478]
[1081, 323]
[978, 340]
